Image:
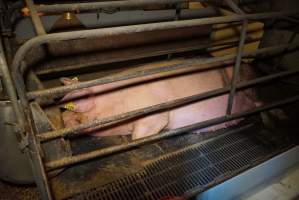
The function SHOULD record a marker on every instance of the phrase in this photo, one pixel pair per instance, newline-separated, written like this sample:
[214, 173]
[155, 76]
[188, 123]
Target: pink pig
[113, 99]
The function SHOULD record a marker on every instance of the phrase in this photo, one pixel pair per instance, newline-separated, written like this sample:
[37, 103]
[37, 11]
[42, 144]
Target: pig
[119, 97]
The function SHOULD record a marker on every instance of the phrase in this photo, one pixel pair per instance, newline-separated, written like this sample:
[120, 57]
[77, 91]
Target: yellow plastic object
[231, 32]
[75, 79]
[196, 5]
[71, 105]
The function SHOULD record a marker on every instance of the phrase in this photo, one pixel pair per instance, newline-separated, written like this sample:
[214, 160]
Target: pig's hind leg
[150, 125]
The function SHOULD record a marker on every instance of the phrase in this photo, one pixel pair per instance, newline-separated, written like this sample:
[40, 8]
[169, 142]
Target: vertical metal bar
[234, 6]
[236, 69]
[238, 61]
[33, 147]
[39, 28]
[33, 151]
[9, 85]
[27, 140]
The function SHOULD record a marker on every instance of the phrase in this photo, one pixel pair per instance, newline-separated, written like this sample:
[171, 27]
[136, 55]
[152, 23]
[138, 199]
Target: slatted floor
[196, 167]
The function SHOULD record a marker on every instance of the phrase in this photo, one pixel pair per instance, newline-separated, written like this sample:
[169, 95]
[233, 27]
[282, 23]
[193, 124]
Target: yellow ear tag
[75, 79]
[70, 106]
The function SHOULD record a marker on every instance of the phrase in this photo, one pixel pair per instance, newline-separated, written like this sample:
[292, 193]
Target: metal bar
[102, 123]
[238, 61]
[236, 68]
[141, 52]
[103, 32]
[234, 6]
[106, 5]
[39, 28]
[11, 91]
[186, 66]
[71, 160]
[30, 149]
[61, 90]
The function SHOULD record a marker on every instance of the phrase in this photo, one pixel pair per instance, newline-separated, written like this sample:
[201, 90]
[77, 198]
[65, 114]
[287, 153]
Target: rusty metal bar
[102, 123]
[146, 52]
[71, 7]
[238, 61]
[11, 91]
[24, 136]
[39, 28]
[236, 69]
[55, 37]
[234, 6]
[187, 65]
[67, 161]
[61, 90]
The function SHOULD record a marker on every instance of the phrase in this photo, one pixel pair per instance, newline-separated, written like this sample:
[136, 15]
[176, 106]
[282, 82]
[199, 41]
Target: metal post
[238, 61]
[25, 137]
[39, 28]
[11, 91]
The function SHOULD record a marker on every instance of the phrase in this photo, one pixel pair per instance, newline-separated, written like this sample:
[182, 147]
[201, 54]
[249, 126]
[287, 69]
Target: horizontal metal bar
[103, 32]
[54, 8]
[62, 90]
[67, 161]
[141, 52]
[101, 123]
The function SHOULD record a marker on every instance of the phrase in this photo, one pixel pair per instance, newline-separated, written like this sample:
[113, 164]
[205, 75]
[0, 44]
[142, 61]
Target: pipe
[31, 149]
[71, 160]
[71, 7]
[37, 23]
[101, 123]
[234, 6]
[238, 61]
[103, 32]
[11, 91]
[62, 90]
[145, 53]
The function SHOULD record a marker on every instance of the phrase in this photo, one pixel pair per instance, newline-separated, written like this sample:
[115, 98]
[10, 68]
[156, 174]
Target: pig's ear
[68, 81]
[80, 106]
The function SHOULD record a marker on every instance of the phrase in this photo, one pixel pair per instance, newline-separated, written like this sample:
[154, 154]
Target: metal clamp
[1, 84]
[24, 143]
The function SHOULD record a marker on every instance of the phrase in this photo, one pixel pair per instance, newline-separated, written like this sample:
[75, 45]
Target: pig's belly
[198, 112]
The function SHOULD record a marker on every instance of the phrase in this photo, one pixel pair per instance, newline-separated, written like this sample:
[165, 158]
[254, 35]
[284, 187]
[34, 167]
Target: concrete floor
[285, 187]
[13, 192]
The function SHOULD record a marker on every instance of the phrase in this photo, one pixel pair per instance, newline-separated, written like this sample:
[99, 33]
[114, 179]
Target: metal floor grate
[197, 166]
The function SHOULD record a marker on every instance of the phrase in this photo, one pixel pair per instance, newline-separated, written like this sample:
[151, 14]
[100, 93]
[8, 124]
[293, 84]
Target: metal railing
[19, 66]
